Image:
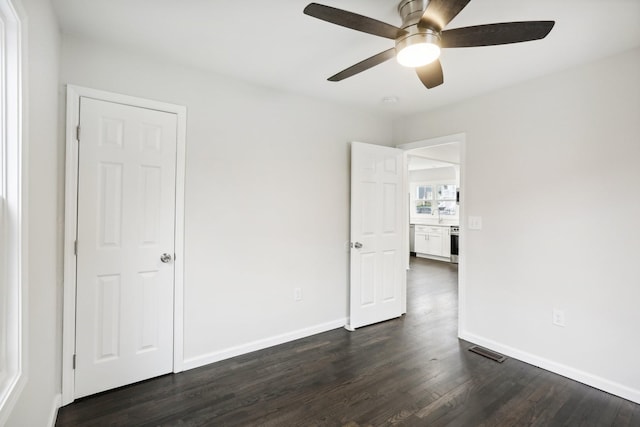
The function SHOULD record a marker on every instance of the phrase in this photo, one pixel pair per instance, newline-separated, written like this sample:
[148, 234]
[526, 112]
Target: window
[424, 199]
[447, 205]
[434, 200]
[11, 213]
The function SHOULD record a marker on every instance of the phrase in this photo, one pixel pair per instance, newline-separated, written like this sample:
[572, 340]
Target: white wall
[267, 197]
[552, 168]
[38, 400]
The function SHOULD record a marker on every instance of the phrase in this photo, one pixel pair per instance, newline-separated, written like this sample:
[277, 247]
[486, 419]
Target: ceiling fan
[422, 35]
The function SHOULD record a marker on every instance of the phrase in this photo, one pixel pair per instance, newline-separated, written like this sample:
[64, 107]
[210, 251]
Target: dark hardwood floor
[411, 371]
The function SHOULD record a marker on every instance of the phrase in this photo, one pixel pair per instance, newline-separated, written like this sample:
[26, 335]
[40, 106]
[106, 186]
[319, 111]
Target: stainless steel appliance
[455, 243]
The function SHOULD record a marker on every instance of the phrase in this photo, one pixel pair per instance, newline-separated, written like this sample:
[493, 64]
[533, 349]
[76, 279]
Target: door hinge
[75, 248]
[74, 361]
[78, 133]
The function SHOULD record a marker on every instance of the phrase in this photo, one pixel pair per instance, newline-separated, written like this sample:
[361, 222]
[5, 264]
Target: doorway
[124, 228]
[435, 188]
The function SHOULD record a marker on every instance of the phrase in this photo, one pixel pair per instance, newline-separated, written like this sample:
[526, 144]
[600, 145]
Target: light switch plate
[475, 223]
[559, 317]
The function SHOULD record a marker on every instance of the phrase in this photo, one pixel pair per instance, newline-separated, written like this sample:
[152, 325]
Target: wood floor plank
[411, 371]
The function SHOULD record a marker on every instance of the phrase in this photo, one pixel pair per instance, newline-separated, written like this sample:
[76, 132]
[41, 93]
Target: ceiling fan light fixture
[418, 55]
[418, 49]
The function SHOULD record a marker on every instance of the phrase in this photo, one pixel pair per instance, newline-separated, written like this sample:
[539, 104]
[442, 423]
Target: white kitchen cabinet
[420, 243]
[446, 242]
[431, 240]
[412, 238]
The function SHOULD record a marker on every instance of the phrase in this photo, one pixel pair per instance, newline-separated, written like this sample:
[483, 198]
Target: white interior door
[377, 258]
[126, 222]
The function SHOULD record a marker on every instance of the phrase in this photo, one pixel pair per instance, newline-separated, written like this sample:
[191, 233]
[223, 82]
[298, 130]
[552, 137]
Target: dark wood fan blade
[431, 74]
[440, 12]
[496, 34]
[353, 21]
[364, 65]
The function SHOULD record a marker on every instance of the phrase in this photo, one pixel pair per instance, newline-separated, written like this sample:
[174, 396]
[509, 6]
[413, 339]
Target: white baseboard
[57, 403]
[198, 361]
[557, 368]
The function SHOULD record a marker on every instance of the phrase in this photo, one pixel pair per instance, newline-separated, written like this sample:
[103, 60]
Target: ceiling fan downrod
[410, 12]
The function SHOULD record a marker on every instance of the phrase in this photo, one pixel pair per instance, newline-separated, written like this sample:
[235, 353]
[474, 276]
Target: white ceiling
[272, 43]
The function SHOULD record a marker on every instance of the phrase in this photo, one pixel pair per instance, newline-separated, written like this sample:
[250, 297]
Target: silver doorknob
[357, 245]
[165, 258]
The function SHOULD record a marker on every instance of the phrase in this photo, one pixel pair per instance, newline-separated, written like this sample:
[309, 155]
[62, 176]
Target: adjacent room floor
[409, 371]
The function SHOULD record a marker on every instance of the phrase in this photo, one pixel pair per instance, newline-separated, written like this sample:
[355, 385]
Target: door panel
[377, 274]
[126, 220]
[110, 205]
[107, 323]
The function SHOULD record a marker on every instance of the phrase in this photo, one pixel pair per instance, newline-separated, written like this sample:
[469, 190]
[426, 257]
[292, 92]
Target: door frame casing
[74, 93]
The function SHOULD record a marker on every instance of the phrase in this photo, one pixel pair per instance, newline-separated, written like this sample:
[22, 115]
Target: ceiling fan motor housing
[411, 11]
[416, 35]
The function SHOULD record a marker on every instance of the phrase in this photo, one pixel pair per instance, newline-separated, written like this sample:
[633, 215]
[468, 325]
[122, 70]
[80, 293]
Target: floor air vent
[488, 353]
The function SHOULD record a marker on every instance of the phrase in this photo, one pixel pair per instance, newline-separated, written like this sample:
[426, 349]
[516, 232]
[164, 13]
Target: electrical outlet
[297, 294]
[558, 317]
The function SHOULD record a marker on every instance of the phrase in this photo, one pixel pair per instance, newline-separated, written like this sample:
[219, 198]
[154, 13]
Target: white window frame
[436, 198]
[13, 209]
[415, 193]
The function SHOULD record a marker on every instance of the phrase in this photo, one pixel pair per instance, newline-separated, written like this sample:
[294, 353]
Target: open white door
[125, 245]
[377, 261]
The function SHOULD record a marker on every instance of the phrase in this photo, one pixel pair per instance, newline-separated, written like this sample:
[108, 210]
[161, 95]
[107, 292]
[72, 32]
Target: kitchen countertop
[444, 223]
